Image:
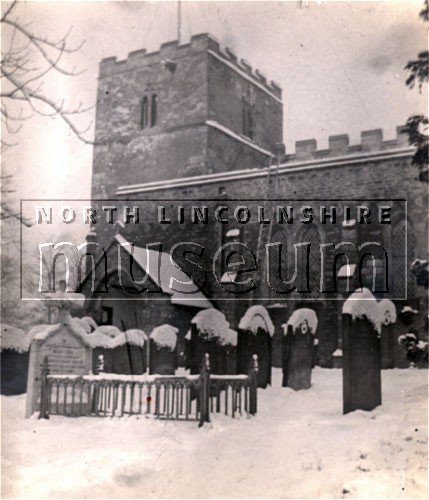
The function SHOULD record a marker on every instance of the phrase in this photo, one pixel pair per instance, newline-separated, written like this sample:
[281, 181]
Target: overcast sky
[340, 65]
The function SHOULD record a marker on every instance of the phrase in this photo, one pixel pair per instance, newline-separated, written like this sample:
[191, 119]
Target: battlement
[170, 53]
[339, 145]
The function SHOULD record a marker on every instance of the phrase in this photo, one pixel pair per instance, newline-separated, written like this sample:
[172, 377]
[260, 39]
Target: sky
[340, 64]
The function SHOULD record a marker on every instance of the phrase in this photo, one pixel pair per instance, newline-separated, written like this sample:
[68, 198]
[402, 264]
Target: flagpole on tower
[179, 21]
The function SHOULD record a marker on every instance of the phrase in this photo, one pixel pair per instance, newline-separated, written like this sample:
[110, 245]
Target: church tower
[183, 111]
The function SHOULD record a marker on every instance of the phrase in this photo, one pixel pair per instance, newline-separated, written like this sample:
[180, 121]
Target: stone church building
[193, 125]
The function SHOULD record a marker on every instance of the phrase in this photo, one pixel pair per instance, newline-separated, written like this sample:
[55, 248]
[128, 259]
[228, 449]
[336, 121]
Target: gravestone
[255, 331]
[163, 352]
[361, 352]
[210, 333]
[298, 349]
[67, 351]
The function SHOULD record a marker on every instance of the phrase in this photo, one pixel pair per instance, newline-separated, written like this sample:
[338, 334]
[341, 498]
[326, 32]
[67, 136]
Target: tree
[418, 125]
[28, 60]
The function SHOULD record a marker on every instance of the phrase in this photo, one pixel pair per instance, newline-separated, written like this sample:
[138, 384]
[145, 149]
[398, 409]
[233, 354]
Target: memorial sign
[67, 351]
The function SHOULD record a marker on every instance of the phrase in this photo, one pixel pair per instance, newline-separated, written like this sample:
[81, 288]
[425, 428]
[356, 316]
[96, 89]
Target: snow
[211, 323]
[408, 309]
[90, 321]
[387, 311]
[111, 337]
[165, 336]
[232, 233]
[257, 317]
[99, 339]
[82, 324]
[299, 445]
[109, 330]
[302, 319]
[44, 331]
[152, 262]
[363, 304]
[132, 337]
[13, 339]
[337, 353]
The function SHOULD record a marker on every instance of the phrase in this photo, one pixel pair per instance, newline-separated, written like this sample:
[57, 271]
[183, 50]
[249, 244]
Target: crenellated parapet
[170, 53]
[339, 145]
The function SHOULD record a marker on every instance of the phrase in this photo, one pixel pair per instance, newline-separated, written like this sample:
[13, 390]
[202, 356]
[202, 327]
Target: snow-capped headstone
[255, 331]
[299, 339]
[362, 323]
[68, 353]
[162, 353]
[211, 333]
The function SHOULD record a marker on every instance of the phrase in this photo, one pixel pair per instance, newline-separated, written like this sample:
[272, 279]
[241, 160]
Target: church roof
[148, 261]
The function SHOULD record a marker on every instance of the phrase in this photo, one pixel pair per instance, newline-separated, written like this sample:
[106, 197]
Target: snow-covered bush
[417, 350]
[212, 324]
[387, 311]
[255, 318]
[165, 336]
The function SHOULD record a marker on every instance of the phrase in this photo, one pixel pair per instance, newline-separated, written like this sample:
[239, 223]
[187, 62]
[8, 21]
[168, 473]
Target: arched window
[153, 111]
[144, 117]
[402, 258]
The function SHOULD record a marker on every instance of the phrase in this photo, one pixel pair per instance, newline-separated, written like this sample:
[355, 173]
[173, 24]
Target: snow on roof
[13, 339]
[387, 311]
[257, 317]
[165, 336]
[148, 261]
[211, 323]
[347, 271]
[302, 319]
[363, 304]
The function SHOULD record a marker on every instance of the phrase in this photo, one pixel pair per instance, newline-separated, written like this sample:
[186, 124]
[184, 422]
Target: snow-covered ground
[298, 446]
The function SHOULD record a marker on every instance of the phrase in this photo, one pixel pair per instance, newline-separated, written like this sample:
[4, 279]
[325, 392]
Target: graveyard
[111, 414]
[299, 445]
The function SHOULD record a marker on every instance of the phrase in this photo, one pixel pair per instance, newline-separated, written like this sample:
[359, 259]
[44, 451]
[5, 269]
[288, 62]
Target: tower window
[144, 118]
[149, 111]
[153, 111]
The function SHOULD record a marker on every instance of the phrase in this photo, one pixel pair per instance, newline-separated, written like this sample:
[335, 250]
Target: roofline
[285, 168]
[250, 78]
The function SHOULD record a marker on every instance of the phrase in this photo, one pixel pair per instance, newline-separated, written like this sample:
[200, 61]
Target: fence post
[253, 383]
[44, 410]
[205, 391]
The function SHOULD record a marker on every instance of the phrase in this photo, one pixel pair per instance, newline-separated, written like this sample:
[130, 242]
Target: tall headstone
[68, 353]
[255, 331]
[163, 352]
[298, 349]
[361, 352]
[211, 333]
